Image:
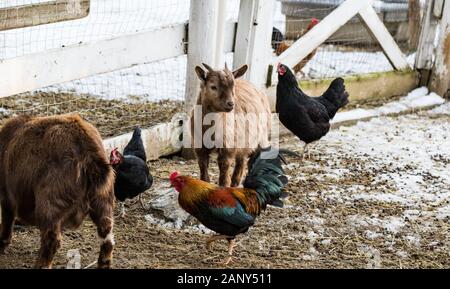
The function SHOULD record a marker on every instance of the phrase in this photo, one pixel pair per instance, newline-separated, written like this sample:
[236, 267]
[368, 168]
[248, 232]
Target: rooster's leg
[213, 239]
[231, 245]
[305, 152]
[122, 213]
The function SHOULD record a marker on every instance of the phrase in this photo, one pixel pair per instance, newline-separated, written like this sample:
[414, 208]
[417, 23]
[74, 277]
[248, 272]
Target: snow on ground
[374, 194]
[407, 158]
[328, 62]
[418, 98]
[162, 79]
[3, 111]
[443, 109]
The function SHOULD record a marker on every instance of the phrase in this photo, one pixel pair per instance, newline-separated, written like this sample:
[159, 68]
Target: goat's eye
[214, 87]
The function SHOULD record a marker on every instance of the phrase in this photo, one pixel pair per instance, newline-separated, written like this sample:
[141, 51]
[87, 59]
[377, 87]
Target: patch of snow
[373, 255]
[4, 111]
[382, 197]
[442, 109]
[393, 224]
[165, 199]
[328, 62]
[402, 254]
[311, 236]
[372, 235]
[326, 242]
[416, 99]
[443, 212]
[413, 240]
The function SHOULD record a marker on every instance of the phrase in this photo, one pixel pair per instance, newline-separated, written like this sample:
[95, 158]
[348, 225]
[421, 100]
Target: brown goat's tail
[99, 177]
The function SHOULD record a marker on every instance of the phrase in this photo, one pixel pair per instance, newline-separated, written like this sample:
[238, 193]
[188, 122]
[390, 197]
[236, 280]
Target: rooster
[284, 46]
[132, 173]
[230, 211]
[307, 117]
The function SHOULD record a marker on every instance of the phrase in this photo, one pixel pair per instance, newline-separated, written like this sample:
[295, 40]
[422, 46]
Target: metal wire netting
[149, 93]
[116, 101]
[350, 50]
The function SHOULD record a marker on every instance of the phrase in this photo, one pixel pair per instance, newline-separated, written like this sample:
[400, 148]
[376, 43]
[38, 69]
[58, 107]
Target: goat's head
[218, 87]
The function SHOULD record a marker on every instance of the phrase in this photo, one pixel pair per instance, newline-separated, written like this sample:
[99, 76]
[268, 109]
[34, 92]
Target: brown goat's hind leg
[50, 243]
[239, 169]
[6, 226]
[102, 215]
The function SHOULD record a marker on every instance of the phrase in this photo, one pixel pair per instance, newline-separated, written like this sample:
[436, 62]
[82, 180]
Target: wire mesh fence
[149, 93]
[142, 95]
[351, 49]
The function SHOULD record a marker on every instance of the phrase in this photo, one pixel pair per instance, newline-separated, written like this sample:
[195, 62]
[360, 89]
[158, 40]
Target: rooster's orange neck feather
[194, 190]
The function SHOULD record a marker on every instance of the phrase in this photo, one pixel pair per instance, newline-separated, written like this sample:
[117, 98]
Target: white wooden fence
[208, 37]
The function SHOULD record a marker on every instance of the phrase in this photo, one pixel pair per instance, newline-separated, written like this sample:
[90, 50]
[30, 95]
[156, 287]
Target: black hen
[277, 38]
[307, 117]
[132, 173]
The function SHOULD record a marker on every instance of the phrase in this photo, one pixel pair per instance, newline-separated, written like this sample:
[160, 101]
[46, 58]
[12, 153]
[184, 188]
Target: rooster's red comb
[174, 175]
[314, 21]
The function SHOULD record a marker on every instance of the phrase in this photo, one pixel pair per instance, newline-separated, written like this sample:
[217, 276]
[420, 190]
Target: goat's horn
[208, 67]
[226, 66]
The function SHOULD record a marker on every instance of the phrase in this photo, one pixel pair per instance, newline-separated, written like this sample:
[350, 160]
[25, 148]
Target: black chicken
[132, 173]
[307, 117]
[277, 38]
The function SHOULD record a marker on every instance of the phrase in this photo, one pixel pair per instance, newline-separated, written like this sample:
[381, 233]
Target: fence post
[205, 45]
[414, 16]
[254, 33]
[440, 77]
[206, 25]
[425, 50]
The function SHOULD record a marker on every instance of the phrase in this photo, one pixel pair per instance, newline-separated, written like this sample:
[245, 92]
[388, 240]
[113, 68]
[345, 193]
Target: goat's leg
[203, 163]
[50, 243]
[225, 160]
[239, 170]
[6, 226]
[101, 214]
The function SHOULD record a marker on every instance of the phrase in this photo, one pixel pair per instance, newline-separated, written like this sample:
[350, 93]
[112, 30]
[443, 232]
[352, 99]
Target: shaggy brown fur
[233, 100]
[53, 173]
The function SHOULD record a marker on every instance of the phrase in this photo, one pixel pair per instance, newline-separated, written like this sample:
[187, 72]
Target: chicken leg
[231, 245]
[305, 152]
[214, 238]
[122, 213]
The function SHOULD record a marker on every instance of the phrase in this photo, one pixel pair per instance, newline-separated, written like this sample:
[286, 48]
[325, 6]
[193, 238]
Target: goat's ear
[200, 73]
[240, 71]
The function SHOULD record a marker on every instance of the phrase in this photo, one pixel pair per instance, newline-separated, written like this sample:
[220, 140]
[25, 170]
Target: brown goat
[53, 173]
[232, 100]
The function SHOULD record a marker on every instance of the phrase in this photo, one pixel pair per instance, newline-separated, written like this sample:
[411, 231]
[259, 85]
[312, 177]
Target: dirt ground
[111, 117]
[372, 195]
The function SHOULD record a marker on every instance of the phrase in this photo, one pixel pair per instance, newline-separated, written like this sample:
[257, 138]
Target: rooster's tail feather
[266, 176]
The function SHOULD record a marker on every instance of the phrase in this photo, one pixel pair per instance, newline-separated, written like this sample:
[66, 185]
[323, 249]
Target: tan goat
[241, 121]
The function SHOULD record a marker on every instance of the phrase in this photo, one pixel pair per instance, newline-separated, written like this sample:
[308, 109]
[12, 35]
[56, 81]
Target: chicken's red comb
[174, 175]
[313, 23]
